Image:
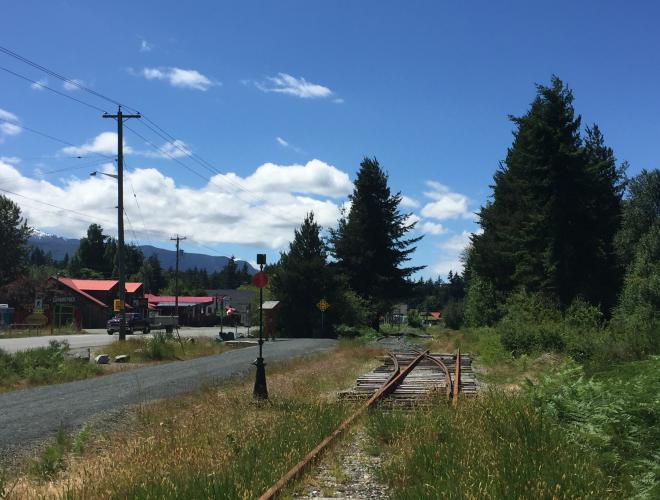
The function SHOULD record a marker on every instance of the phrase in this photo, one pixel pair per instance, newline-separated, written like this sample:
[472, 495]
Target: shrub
[453, 314]
[414, 319]
[349, 331]
[480, 303]
[159, 347]
[613, 415]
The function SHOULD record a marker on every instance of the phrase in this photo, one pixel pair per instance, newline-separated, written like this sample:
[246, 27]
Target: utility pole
[176, 277]
[120, 117]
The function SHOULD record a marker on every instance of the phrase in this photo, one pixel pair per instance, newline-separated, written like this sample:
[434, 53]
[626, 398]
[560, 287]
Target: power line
[48, 136]
[52, 73]
[44, 86]
[64, 169]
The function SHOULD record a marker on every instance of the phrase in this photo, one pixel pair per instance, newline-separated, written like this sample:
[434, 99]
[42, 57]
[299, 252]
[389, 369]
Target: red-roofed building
[193, 311]
[88, 303]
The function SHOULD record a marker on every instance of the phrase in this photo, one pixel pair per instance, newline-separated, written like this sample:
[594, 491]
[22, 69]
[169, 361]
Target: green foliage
[231, 277]
[636, 321]
[14, 233]
[159, 348]
[43, 365]
[494, 446]
[480, 303]
[556, 206]
[414, 319]
[302, 279]
[531, 322]
[350, 332]
[52, 457]
[614, 416]
[453, 314]
[369, 243]
[641, 211]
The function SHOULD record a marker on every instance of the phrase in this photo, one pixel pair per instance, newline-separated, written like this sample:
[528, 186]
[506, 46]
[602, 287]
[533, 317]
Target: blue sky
[425, 87]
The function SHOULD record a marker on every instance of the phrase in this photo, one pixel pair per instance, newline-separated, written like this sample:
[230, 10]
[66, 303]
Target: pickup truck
[134, 321]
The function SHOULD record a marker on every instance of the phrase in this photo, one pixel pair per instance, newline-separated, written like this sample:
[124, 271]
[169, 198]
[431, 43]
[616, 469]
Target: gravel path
[30, 415]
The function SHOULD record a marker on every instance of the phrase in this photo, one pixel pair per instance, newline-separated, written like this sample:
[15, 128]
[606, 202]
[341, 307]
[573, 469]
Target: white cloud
[73, 84]
[406, 201]
[178, 77]
[315, 177]
[281, 142]
[452, 250]
[278, 199]
[145, 46]
[286, 144]
[14, 160]
[39, 84]
[338, 100]
[284, 83]
[104, 143]
[411, 219]
[170, 150]
[6, 128]
[446, 204]
[432, 228]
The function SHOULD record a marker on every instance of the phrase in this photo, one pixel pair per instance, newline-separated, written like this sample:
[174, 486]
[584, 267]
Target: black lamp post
[260, 389]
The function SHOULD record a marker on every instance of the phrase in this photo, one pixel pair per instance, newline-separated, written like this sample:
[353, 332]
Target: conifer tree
[369, 243]
[556, 201]
[302, 278]
[14, 233]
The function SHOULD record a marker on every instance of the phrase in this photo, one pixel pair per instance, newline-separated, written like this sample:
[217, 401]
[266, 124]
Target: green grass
[43, 365]
[163, 348]
[494, 446]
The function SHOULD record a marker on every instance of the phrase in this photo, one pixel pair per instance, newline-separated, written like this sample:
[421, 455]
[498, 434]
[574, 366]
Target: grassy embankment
[542, 428]
[216, 443]
[41, 366]
[52, 365]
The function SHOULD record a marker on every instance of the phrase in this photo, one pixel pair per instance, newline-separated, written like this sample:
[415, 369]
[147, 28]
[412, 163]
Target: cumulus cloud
[271, 203]
[104, 143]
[178, 77]
[10, 124]
[73, 84]
[406, 201]
[170, 150]
[446, 204]
[39, 84]
[452, 250]
[432, 228]
[284, 83]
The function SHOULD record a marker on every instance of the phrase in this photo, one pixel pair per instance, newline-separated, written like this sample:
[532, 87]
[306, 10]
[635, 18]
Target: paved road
[32, 414]
[99, 337]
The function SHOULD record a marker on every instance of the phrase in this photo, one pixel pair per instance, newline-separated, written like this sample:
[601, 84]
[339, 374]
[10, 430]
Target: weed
[52, 457]
[81, 439]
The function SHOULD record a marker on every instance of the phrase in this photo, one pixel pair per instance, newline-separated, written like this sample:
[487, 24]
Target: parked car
[134, 321]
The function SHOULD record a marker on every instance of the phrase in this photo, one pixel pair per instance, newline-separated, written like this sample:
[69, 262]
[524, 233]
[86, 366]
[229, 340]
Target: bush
[160, 347]
[531, 322]
[348, 331]
[414, 319]
[480, 303]
[614, 416]
[453, 314]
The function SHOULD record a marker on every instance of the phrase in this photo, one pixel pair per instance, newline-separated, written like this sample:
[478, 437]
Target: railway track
[407, 377]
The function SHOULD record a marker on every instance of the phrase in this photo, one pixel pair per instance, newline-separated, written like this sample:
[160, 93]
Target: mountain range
[59, 247]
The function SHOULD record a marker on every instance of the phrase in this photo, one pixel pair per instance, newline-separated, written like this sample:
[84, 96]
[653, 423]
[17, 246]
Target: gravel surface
[30, 415]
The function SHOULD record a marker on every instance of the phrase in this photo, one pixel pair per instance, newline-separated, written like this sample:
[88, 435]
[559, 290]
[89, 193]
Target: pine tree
[14, 233]
[91, 253]
[369, 243]
[302, 278]
[540, 230]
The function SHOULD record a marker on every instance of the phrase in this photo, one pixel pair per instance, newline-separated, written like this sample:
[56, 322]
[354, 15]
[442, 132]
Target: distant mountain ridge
[59, 247]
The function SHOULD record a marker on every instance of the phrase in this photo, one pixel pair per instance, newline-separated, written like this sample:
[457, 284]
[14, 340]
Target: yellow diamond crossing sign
[323, 305]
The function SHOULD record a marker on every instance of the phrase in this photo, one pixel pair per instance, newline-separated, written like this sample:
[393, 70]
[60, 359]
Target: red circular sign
[260, 279]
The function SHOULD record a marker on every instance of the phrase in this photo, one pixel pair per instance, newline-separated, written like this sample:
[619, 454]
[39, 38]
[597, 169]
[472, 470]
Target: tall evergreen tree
[539, 230]
[302, 278]
[92, 250]
[14, 233]
[370, 244]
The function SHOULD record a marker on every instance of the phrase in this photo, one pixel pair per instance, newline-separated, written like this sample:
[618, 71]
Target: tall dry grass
[216, 443]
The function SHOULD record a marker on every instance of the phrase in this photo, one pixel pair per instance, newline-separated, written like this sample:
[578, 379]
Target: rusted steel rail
[397, 376]
[457, 376]
[443, 367]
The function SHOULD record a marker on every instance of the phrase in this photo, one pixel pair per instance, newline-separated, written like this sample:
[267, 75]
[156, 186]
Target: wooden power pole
[120, 117]
[176, 277]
